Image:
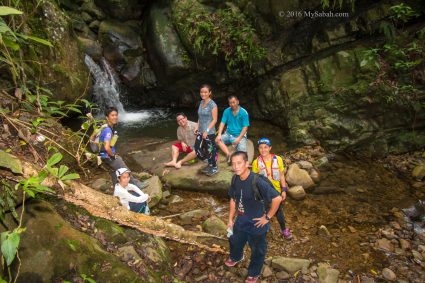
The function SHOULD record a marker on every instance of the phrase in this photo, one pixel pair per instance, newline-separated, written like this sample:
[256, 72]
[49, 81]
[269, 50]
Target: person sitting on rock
[130, 196]
[107, 140]
[271, 167]
[186, 140]
[237, 120]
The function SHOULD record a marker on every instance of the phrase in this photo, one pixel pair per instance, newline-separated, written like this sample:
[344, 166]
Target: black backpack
[256, 190]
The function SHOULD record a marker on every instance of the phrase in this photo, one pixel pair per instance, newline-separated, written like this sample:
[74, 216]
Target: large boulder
[122, 9]
[154, 190]
[188, 177]
[123, 49]
[298, 177]
[193, 216]
[169, 58]
[62, 67]
[215, 226]
[297, 192]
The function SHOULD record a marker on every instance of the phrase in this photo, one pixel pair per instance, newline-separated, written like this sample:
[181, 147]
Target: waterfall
[105, 90]
[106, 93]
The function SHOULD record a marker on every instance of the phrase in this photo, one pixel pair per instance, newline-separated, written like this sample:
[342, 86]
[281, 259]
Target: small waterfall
[106, 93]
[105, 90]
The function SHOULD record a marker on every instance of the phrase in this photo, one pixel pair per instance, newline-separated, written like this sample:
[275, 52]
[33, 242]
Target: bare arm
[214, 114]
[107, 146]
[232, 211]
[260, 222]
[220, 129]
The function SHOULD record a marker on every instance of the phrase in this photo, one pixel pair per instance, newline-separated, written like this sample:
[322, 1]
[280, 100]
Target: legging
[206, 149]
[279, 215]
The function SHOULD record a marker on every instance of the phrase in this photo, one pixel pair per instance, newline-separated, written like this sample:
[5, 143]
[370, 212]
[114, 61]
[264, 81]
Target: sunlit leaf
[5, 10]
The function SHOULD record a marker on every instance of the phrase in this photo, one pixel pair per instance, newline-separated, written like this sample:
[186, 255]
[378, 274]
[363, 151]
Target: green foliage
[59, 172]
[340, 3]
[224, 34]
[87, 279]
[10, 243]
[402, 13]
[7, 200]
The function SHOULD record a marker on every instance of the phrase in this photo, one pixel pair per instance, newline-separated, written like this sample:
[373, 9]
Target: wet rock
[167, 50]
[267, 271]
[289, 265]
[388, 274]
[91, 47]
[154, 189]
[298, 177]
[128, 253]
[305, 165]
[327, 274]
[194, 215]
[282, 275]
[385, 244]
[102, 184]
[175, 199]
[315, 175]
[297, 192]
[215, 226]
[419, 172]
[123, 9]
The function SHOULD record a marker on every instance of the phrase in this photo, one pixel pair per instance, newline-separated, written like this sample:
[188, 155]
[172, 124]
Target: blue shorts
[227, 139]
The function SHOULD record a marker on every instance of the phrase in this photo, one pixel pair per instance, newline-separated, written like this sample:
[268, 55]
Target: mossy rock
[62, 67]
[52, 250]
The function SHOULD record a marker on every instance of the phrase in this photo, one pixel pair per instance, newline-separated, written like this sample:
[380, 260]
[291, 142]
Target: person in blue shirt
[237, 120]
[107, 140]
[253, 220]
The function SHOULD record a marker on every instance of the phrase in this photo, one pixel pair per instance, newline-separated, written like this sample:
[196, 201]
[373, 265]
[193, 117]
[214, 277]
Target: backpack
[95, 145]
[256, 190]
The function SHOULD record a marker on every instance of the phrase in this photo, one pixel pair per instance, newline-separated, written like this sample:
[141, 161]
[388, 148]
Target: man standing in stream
[249, 192]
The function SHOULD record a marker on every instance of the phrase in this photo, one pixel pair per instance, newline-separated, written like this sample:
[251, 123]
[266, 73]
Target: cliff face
[315, 81]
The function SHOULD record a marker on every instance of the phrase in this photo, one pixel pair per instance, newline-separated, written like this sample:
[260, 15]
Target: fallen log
[108, 207]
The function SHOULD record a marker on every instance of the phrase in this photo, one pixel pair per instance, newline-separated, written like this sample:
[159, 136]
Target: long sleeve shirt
[126, 197]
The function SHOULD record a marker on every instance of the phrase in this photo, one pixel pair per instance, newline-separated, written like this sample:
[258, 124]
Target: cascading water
[106, 93]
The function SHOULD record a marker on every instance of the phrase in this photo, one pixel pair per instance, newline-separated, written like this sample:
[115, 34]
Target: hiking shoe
[206, 169]
[231, 263]
[286, 233]
[251, 279]
[213, 171]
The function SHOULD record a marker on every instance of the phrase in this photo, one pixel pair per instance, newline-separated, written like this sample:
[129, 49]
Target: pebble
[352, 229]
[395, 225]
[404, 244]
[417, 255]
[388, 274]
[282, 275]
[385, 245]
[267, 271]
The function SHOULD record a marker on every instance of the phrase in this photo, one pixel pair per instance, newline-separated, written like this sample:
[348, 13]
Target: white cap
[121, 171]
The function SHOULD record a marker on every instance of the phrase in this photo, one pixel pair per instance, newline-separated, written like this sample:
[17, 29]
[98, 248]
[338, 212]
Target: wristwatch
[267, 217]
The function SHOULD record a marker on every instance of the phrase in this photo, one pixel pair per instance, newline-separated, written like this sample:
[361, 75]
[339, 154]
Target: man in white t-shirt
[186, 140]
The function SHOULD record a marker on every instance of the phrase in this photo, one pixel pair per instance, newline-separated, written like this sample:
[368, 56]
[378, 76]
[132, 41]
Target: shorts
[180, 147]
[227, 139]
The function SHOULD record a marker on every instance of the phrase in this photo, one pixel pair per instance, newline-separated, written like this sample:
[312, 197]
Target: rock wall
[311, 83]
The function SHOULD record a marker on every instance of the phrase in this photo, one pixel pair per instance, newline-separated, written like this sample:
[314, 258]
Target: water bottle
[229, 232]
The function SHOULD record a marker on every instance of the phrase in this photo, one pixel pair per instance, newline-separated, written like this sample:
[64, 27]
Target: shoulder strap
[232, 183]
[257, 194]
